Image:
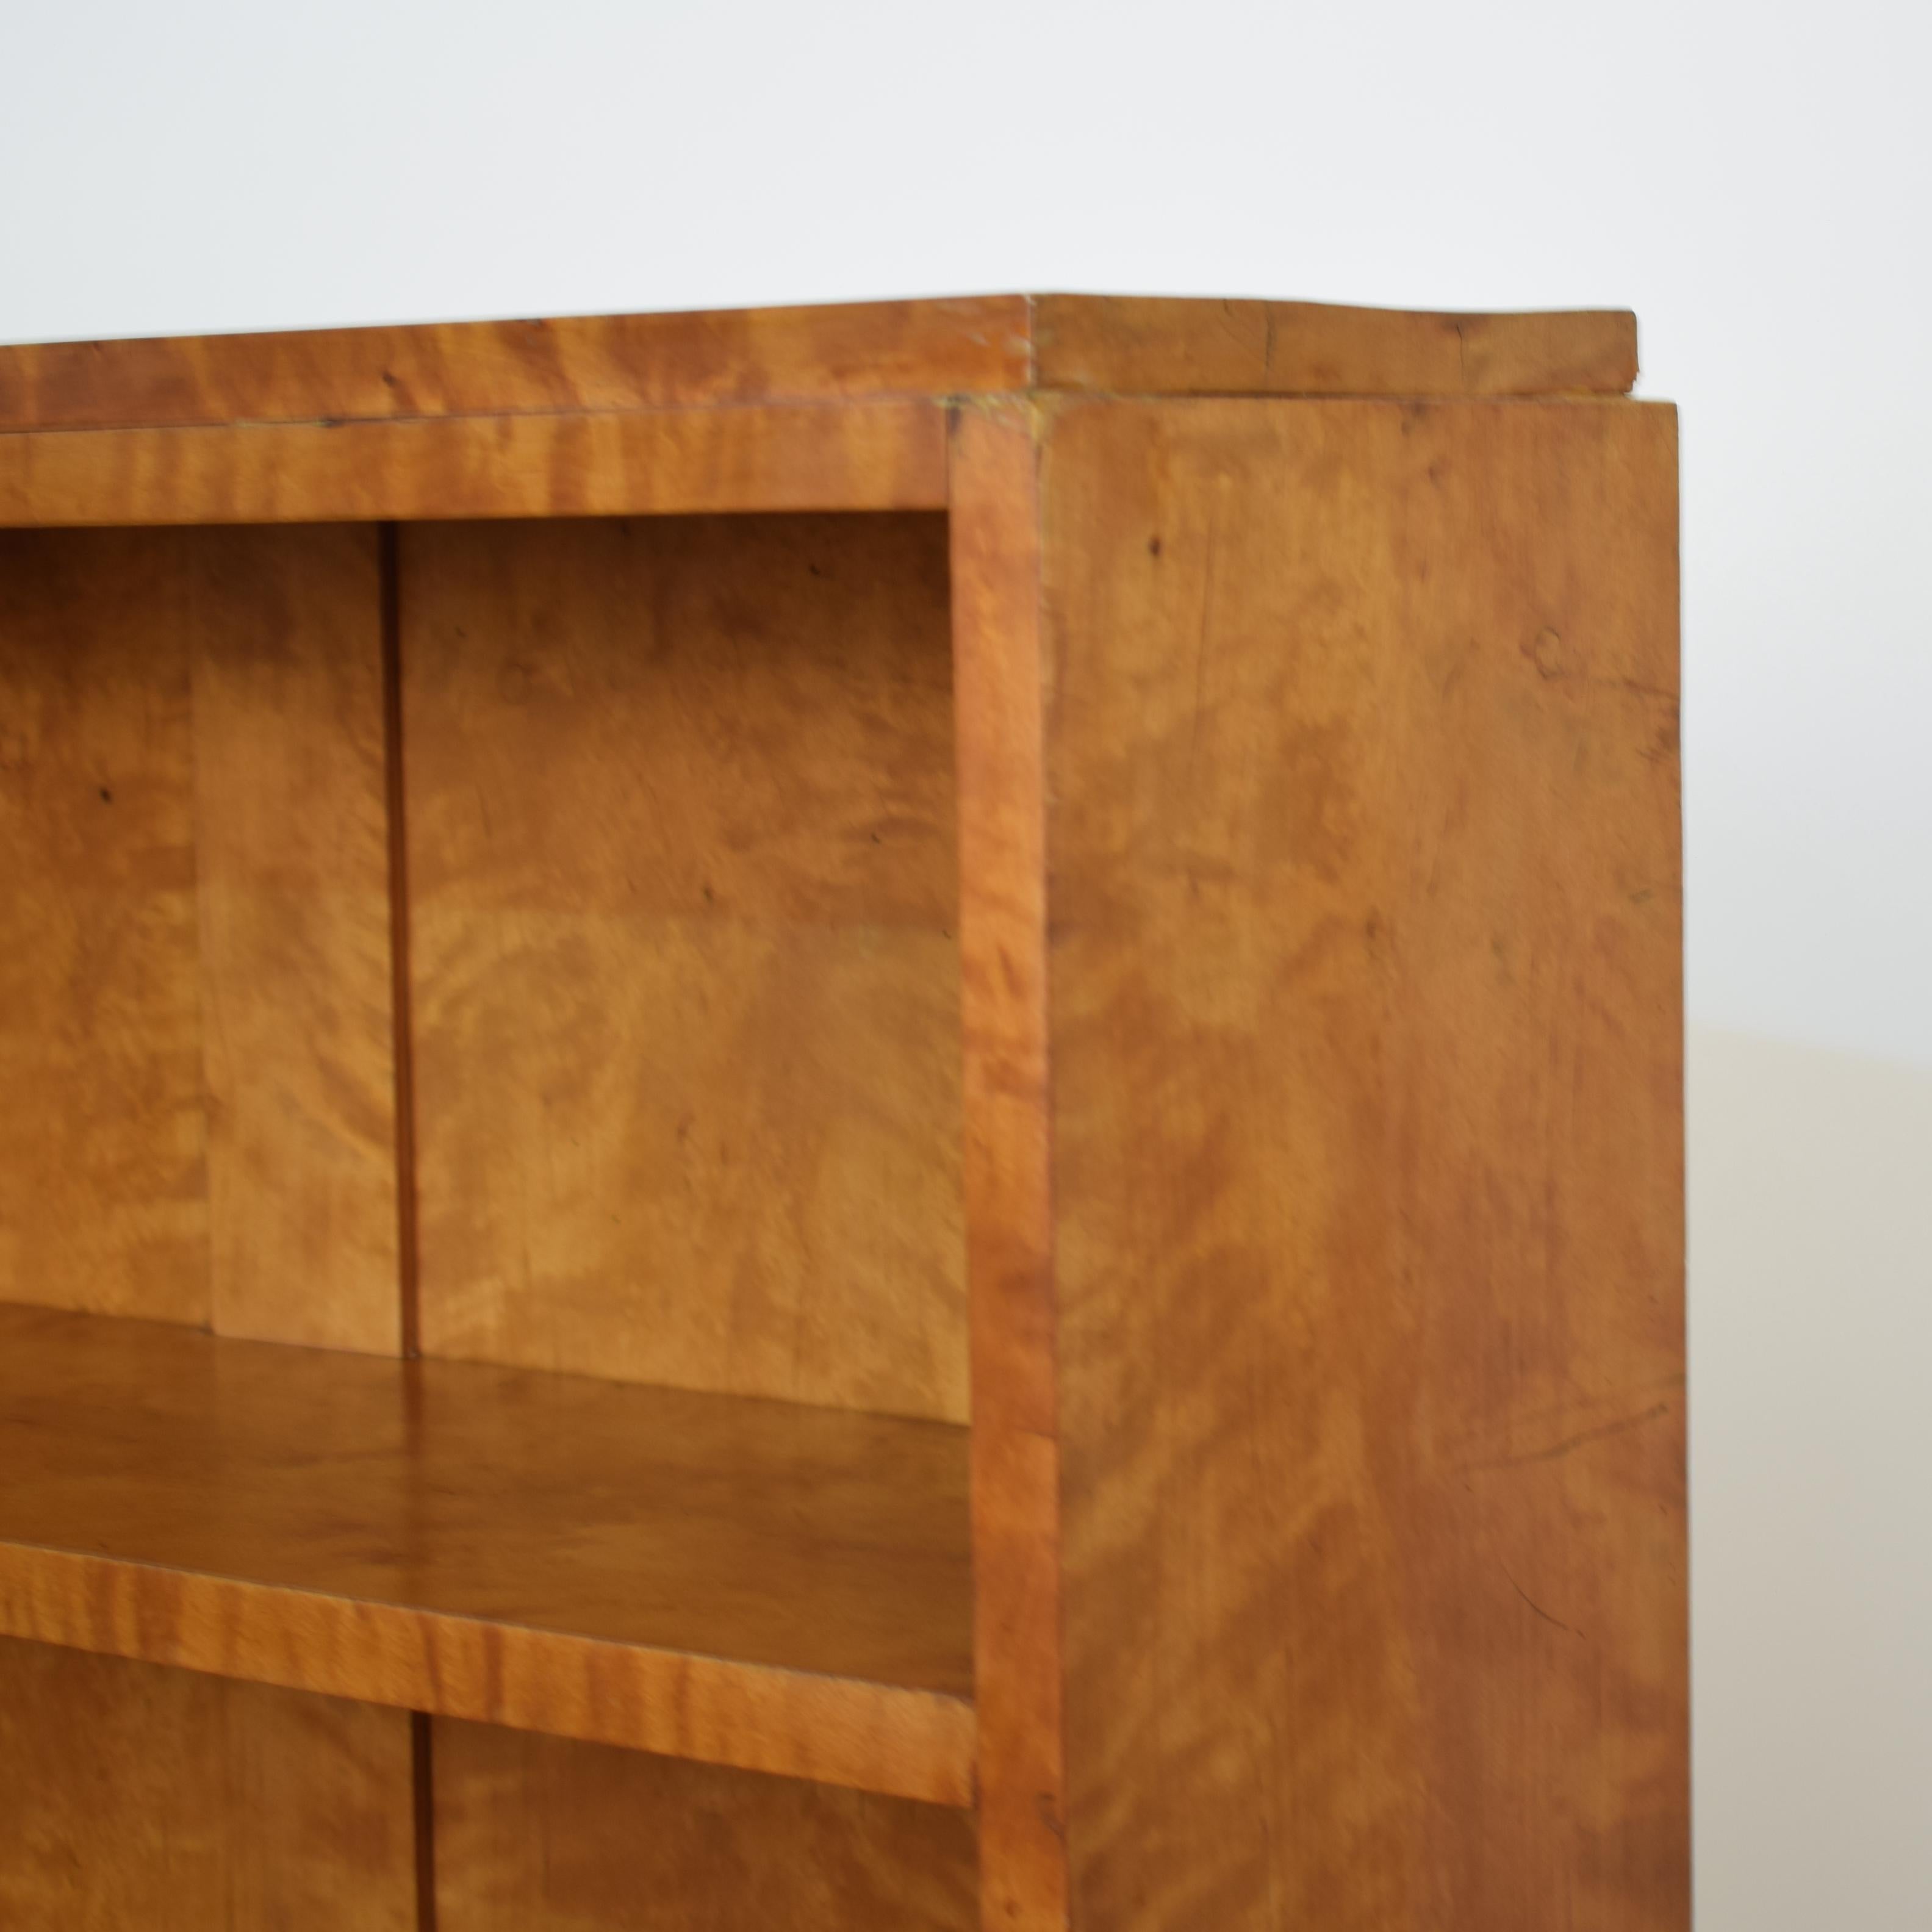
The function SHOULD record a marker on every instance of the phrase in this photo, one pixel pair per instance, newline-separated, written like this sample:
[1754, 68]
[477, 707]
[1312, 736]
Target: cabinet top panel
[970, 345]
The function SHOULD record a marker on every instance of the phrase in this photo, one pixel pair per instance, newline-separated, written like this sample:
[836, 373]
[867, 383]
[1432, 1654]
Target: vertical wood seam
[422, 1791]
[210, 1320]
[402, 1030]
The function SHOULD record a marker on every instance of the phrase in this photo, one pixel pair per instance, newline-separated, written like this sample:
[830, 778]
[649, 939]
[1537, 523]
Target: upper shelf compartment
[743, 1582]
[684, 976]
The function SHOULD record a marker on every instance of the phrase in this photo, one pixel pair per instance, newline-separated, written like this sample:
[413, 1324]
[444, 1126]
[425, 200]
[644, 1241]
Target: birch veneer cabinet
[842, 1119]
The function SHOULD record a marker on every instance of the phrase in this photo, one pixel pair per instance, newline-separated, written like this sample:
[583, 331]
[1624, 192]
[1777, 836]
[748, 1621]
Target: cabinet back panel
[103, 1151]
[131, 1795]
[684, 982]
[542, 1834]
[194, 986]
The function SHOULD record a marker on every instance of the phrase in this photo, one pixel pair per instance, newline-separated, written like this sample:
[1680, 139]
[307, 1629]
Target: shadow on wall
[1810, 1191]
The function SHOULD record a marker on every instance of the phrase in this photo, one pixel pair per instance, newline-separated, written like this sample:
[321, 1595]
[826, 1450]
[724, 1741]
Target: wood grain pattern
[103, 1197]
[133, 1796]
[193, 1029]
[194, 980]
[985, 345]
[776, 1586]
[1002, 941]
[857, 456]
[574, 362]
[1278, 800]
[540, 1832]
[1366, 995]
[686, 988]
[1158, 345]
[292, 891]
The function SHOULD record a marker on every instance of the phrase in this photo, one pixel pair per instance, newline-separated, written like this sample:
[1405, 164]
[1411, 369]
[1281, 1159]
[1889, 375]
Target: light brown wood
[686, 985]
[292, 889]
[1002, 941]
[132, 1796]
[862, 456]
[103, 1197]
[185, 774]
[1159, 345]
[534, 1831]
[193, 979]
[1364, 889]
[984, 345]
[776, 1586]
[1174, 959]
[570, 364]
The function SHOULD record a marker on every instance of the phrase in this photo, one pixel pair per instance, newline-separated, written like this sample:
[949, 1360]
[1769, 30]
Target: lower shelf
[741, 1582]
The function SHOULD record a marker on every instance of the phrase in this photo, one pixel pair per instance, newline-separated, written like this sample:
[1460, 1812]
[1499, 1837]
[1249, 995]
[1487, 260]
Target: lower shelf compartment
[737, 1581]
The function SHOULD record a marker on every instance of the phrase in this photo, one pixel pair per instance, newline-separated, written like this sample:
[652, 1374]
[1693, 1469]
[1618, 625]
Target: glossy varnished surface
[1364, 896]
[752, 1581]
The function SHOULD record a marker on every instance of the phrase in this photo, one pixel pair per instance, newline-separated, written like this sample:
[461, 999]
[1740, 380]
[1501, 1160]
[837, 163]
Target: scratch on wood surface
[1558, 1621]
[1557, 1450]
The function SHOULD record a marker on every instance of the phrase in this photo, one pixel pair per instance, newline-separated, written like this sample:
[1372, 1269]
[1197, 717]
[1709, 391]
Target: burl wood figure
[849, 1120]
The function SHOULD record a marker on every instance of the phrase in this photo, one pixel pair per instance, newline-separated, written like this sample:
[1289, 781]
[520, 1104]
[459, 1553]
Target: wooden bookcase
[842, 1118]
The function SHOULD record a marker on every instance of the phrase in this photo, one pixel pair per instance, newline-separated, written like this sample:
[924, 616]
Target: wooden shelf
[740, 1581]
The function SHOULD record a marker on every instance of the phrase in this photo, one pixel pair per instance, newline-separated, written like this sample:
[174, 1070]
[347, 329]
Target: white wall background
[1755, 181]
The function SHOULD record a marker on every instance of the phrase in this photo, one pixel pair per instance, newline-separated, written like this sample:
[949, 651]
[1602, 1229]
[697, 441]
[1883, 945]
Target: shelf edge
[887, 455]
[897, 1741]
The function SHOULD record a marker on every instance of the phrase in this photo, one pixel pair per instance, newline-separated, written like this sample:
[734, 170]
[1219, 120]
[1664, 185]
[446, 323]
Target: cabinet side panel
[291, 857]
[683, 892]
[540, 1835]
[102, 1139]
[1364, 879]
[132, 1797]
